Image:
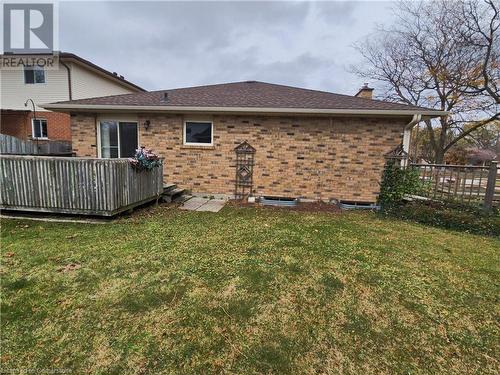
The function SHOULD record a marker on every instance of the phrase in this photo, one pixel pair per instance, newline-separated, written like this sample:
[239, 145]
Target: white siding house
[15, 91]
[87, 81]
[72, 77]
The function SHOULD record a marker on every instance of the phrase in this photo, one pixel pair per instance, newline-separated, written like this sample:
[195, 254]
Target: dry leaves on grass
[69, 267]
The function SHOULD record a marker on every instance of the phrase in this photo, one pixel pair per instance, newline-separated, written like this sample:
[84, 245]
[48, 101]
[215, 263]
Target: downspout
[407, 135]
[69, 79]
[33, 120]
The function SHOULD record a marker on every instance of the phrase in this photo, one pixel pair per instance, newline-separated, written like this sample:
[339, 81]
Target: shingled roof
[71, 57]
[242, 95]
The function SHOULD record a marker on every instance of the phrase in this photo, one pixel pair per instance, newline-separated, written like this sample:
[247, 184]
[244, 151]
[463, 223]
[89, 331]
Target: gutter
[229, 110]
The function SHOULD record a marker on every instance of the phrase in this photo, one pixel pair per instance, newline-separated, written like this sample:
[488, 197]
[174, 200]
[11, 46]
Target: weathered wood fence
[15, 146]
[468, 184]
[102, 187]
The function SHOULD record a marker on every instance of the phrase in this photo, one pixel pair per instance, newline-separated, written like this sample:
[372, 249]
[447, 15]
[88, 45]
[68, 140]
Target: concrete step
[182, 198]
[172, 194]
[176, 191]
[168, 187]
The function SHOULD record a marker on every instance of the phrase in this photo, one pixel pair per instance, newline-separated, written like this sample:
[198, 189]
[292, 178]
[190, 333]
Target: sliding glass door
[118, 139]
[128, 139]
[109, 139]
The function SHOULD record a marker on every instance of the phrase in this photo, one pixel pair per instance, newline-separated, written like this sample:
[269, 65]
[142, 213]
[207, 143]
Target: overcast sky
[161, 45]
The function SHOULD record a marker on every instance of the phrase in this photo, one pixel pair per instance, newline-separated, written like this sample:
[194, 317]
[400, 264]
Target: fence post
[490, 187]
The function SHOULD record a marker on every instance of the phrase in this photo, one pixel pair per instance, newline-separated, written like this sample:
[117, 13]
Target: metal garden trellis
[245, 157]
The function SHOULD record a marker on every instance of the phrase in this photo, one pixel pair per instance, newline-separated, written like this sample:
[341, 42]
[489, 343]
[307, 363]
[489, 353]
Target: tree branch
[470, 130]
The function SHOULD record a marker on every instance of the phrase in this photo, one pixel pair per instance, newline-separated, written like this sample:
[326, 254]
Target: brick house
[309, 144]
[72, 78]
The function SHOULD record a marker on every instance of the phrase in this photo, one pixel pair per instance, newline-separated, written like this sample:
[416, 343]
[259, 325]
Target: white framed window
[198, 133]
[117, 139]
[34, 75]
[39, 128]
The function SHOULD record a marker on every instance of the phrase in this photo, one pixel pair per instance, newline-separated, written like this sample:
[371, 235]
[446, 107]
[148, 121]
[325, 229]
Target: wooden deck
[84, 186]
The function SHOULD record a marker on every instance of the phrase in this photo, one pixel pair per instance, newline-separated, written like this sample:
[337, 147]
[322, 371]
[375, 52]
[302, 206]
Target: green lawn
[249, 291]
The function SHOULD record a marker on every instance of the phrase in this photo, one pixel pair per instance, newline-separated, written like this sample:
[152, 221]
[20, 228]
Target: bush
[144, 160]
[398, 182]
[451, 216]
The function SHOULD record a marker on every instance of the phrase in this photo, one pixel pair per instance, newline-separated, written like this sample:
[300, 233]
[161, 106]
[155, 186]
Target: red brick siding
[14, 124]
[18, 124]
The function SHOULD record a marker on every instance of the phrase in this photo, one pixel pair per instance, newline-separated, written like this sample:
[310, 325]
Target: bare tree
[479, 27]
[427, 58]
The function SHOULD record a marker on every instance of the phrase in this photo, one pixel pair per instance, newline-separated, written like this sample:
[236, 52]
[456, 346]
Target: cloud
[175, 44]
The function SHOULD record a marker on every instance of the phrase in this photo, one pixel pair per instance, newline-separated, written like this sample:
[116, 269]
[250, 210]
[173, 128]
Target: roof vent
[164, 97]
[121, 77]
[115, 73]
[250, 81]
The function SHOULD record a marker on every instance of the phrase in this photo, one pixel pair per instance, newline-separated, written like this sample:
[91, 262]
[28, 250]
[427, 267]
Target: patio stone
[193, 204]
[203, 204]
[213, 205]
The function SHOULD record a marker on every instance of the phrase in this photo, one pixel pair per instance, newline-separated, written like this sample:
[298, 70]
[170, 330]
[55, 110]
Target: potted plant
[144, 160]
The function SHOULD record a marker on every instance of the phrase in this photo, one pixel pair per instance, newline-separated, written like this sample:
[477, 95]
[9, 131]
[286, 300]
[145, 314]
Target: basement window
[39, 128]
[34, 75]
[198, 133]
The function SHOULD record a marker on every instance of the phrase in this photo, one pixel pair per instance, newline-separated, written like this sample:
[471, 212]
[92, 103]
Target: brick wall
[83, 135]
[18, 124]
[58, 125]
[14, 123]
[319, 158]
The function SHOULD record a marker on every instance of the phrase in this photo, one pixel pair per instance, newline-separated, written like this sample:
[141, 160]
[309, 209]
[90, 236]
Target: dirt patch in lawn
[300, 207]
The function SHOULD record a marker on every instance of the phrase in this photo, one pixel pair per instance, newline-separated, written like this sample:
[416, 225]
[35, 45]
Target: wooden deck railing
[102, 187]
[15, 146]
[461, 183]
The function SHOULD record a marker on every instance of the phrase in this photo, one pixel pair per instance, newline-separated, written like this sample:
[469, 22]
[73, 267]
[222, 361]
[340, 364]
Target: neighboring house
[478, 156]
[74, 78]
[308, 143]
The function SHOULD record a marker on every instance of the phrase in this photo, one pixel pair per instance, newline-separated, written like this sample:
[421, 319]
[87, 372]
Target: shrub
[144, 160]
[398, 182]
[448, 215]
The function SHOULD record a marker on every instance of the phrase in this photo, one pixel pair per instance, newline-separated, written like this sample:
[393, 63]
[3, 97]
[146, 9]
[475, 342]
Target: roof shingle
[247, 94]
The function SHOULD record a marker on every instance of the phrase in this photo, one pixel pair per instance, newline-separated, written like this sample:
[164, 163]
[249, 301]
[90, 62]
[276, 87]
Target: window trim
[34, 80]
[184, 143]
[33, 128]
[99, 148]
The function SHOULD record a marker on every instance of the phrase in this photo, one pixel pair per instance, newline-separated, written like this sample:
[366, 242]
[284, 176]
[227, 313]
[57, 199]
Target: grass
[248, 291]
[464, 218]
